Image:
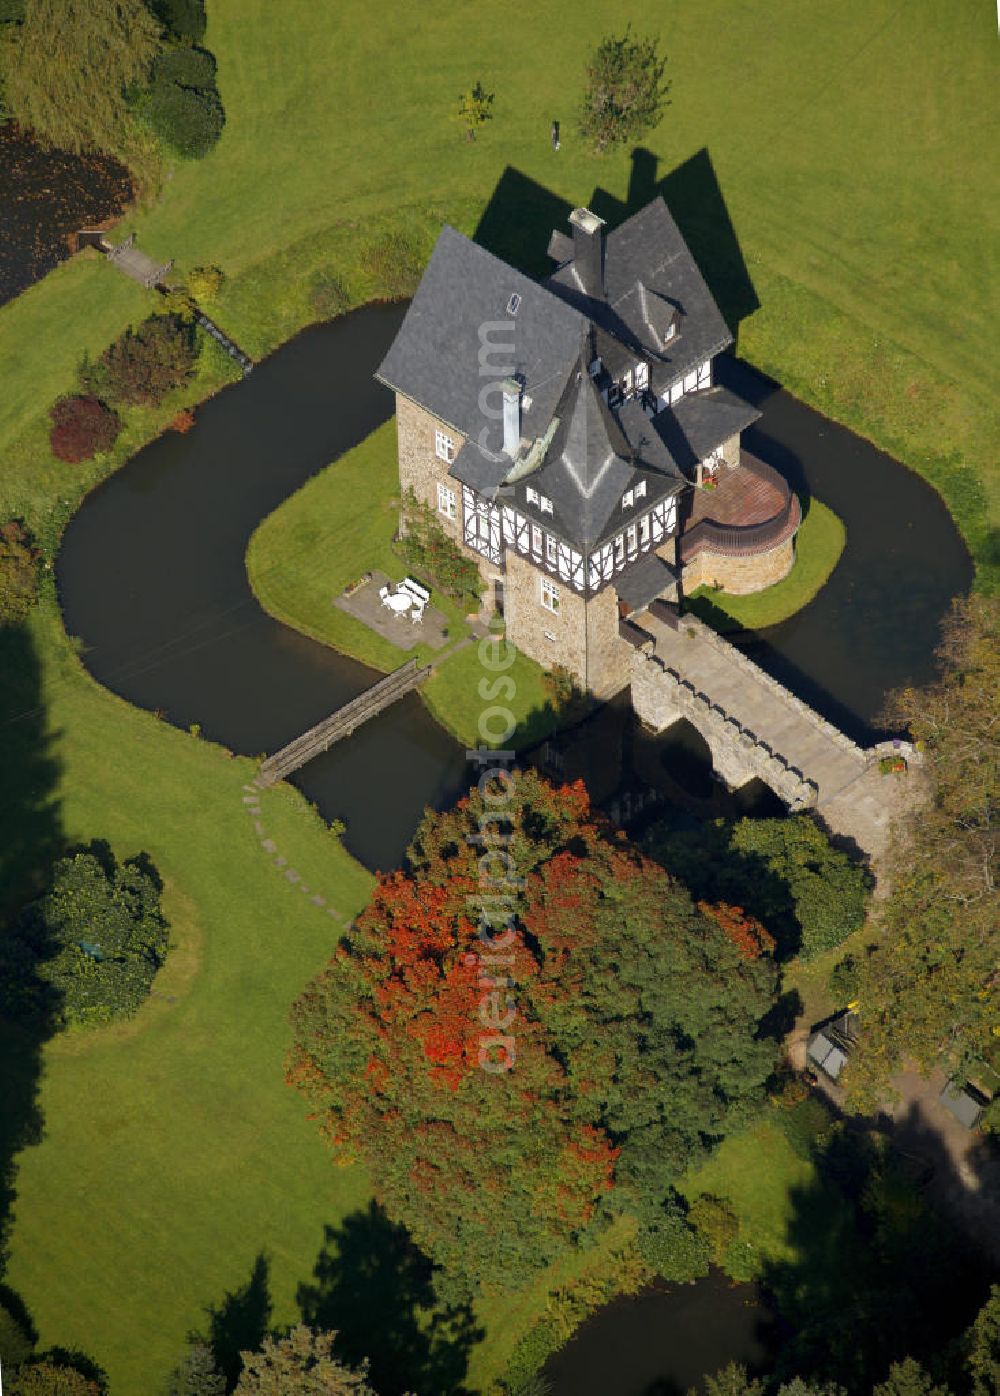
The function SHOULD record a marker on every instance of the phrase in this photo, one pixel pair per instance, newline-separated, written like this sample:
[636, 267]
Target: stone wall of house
[420, 469]
[582, 635]
[739, 575]
[731, 450]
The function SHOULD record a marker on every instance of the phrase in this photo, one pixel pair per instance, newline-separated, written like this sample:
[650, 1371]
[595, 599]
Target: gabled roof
[699, 422]
[647, 251]
[459, 324]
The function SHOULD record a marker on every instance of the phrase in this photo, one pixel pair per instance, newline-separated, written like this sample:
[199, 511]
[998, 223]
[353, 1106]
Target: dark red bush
[82, 426]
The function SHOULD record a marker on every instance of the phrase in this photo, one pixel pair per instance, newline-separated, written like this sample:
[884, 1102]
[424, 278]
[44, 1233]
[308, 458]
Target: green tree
[74, 62]
[302, 1364]
[628, 1042]
[475, 108]
[19, 559]
[197, 1375]
[928, 989]
[184, 20]
[625, 92]
[808, 893]
[982, 1344]
[909, 1378]
[86, 951]
[183, 105]
[733, 1380]
[48, 1379]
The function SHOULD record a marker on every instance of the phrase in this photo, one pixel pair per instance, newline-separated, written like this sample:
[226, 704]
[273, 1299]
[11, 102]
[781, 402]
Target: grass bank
[818, 546]
[338, 526]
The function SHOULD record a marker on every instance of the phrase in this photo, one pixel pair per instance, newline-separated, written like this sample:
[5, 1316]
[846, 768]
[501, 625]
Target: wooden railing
[341, 723]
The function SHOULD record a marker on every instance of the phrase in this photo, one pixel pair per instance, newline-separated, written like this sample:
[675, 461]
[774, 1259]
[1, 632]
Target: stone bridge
[754, 727]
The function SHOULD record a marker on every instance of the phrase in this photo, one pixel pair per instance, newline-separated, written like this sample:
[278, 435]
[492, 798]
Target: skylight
[513, 303]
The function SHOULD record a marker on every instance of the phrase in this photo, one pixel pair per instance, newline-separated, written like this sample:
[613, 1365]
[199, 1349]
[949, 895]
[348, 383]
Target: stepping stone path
[251, 805]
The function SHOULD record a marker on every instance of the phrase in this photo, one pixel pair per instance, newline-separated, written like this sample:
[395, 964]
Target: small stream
[152, 578]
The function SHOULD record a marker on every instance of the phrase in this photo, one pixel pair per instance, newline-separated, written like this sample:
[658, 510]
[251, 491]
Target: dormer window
[641, 377]
[513, 305]
[540, 501]
[628, 499]
[640, 490]
[444, 447]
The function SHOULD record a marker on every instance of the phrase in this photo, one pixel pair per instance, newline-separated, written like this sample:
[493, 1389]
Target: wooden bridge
[341, 723]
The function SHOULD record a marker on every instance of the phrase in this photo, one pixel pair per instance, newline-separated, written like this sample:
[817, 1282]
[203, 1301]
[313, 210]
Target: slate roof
[648, 250]
[435, 357]
[472, 311]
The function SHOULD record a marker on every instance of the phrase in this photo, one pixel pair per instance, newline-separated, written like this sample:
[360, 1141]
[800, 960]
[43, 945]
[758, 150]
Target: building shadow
[376, 1290]
[30, 838]
[876, 1271]
[521, 214]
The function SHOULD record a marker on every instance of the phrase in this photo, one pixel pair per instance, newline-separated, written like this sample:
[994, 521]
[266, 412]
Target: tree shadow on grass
[878, 1272]
[376, 1290]
[30, 838]
[240, 1323]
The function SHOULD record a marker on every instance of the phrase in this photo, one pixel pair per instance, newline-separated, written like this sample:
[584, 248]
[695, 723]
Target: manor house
[571, 436]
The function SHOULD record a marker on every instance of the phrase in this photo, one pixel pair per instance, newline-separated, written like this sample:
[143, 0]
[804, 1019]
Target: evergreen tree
[74, 62]
[197, 1375]
[909, 1378]
[625, 93]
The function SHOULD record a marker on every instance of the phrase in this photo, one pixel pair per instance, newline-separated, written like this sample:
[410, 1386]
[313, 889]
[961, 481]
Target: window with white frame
[446, 501]
[640, 489]
[628, 499]
[545, 504]
[550, 549]
[444, 447]
[532, 495]
[550, 596]
[641, 377]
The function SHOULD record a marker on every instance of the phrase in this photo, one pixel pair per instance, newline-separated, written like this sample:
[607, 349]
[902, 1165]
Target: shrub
[183, 104]
[806, 1126]
[49, 1379]
[715, 1222]
[144, 365]
[182, 421]
[183, 20]
[205, 283]
[394, 264]
[18, 572]
[86, 952]
[328, 295]
[425, 547]
[475, 107]
[625, 93]
[845, 980]
[672, 1248]
[82, 426]
[562, 689]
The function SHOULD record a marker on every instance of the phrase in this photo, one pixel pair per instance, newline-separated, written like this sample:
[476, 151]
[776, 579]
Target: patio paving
[366, 606]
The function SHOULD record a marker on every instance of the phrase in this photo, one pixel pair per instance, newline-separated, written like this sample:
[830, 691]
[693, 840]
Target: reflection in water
[46, 196]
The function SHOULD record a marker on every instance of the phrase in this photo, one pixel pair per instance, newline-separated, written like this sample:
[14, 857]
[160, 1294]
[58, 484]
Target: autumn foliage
[81, 427]
[631, 1016]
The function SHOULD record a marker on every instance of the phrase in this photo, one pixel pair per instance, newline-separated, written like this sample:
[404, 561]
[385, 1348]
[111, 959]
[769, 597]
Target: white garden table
[399, 602]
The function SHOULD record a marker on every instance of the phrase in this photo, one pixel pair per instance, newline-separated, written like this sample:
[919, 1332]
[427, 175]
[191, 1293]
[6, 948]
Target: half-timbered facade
[556, 427]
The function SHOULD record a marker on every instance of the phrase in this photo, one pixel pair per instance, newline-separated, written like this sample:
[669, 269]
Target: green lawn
[339, 525]
[818, 546]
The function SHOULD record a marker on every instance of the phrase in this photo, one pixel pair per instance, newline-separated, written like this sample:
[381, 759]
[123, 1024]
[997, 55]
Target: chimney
[588, 251]
[511, 417]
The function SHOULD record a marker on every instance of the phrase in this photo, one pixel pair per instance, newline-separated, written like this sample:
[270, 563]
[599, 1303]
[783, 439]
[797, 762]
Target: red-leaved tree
[81, 427]
[507, 1097]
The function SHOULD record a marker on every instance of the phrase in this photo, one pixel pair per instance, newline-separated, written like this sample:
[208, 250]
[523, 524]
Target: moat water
[152, 579]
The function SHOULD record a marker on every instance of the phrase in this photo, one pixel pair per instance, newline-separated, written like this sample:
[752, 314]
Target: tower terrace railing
[746, 539]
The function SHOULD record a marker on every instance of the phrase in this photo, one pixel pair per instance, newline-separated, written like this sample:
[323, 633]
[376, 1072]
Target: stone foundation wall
[420, 469]
[582, 635]
[739, 575]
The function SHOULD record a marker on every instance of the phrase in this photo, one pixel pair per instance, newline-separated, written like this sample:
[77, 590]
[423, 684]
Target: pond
[46, 196]
[152, 578]
[664, 1340]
